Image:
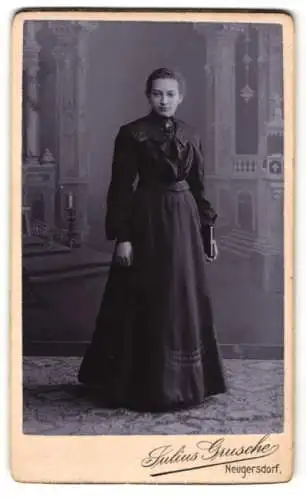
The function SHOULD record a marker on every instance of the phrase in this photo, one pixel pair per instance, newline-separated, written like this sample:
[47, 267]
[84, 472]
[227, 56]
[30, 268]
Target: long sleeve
[121, 189]
[196, 180]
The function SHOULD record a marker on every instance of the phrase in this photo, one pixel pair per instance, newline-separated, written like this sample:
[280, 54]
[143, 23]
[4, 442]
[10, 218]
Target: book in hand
[208, 240]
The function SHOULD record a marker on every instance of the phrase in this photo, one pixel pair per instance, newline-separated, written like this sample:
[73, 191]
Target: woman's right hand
[124, 253]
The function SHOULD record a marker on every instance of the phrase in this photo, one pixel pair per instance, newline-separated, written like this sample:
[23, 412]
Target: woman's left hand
[215, 252]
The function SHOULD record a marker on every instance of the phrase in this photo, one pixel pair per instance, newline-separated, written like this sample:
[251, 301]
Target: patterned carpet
[56, 404]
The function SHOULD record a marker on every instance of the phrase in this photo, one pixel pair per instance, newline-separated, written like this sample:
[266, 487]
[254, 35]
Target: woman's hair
[165, 73]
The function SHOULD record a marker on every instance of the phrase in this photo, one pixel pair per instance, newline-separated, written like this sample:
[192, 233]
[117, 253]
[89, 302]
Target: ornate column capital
[231, 31]
[212, 30]
[86, 27]
[64, 31]
[66, 39]
[69, 32]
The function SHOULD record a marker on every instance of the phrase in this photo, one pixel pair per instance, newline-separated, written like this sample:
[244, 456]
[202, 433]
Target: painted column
[263, 90]
[65, 56]
[263, 118]
[85, 29]
[225, 106]
[270, 182]
[73, 149]
[207, 39]
[219, 69]
[31, 65]
[275, 131]
[275, 69]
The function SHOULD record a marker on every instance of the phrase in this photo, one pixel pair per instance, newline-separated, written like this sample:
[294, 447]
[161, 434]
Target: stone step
[240, 240]
[242, 236]
[245, 248]
[54, 264]
[30, 241]
[235, 248]
[35, 251]
[68, 274]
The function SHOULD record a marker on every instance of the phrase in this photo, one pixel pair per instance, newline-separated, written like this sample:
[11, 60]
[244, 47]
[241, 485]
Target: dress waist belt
[181, 185]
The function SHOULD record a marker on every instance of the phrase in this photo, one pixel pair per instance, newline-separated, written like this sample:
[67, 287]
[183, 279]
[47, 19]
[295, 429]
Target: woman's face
[165, 96]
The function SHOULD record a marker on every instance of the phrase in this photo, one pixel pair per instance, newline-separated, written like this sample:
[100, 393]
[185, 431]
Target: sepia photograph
[152, 217]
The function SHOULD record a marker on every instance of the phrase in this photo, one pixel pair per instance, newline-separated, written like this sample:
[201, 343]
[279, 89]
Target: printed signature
[213, 453]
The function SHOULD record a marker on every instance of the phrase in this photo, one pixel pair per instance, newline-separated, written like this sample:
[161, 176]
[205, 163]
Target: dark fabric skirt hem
[148, 406]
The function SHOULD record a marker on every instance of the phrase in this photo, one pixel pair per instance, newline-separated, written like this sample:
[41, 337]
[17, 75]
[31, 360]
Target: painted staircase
[244, 245]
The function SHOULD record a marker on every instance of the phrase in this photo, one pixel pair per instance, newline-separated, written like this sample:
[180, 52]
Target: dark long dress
[154, 345]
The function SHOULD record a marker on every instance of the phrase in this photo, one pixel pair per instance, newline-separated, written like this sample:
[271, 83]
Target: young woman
[154, 346]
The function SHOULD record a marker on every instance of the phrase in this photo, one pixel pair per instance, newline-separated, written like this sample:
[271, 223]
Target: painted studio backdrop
[81, 81]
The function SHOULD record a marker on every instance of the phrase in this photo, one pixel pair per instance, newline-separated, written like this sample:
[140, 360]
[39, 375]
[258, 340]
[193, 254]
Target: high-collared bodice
[157, 152]
[164, 148]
